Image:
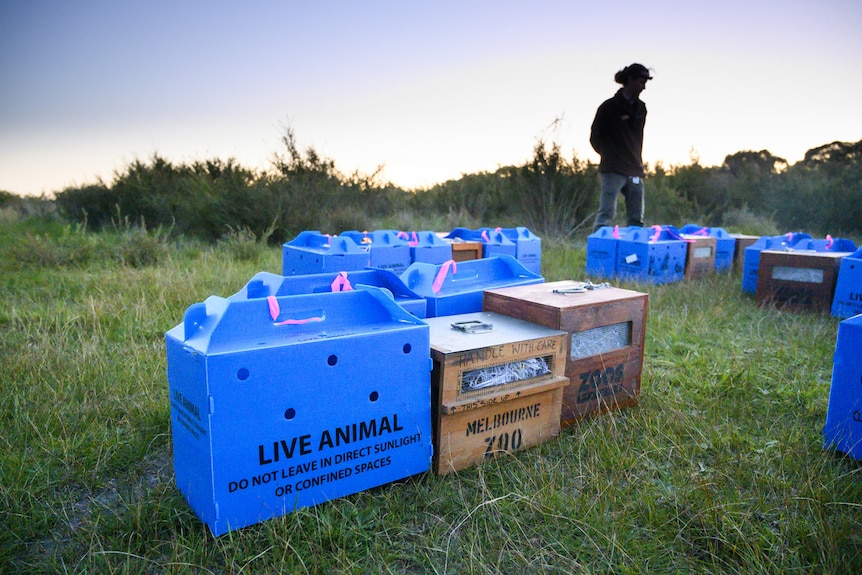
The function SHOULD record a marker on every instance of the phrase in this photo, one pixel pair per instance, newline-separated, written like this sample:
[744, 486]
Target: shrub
[744, 221]
[140, 248]
[666, 203]
[57, 246]
[550, 194]
[243, 244]
[557, 197]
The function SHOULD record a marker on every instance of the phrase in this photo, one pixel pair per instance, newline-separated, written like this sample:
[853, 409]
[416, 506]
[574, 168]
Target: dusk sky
[429, 90]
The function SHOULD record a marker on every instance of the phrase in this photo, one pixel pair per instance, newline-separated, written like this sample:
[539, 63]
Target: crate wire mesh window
[599, 340]
[501, 374]
[807, 275]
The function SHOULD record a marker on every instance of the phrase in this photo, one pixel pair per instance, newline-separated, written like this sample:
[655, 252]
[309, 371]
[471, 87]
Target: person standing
[617, 136]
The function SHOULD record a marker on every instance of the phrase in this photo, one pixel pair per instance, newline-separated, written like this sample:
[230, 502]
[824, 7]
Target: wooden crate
[742, 242]
[798, 280]
[470, 424]
[700, 257]
[604, 344]
[463, 250]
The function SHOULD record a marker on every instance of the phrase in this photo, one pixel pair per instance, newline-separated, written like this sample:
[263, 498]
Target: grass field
[719, 469]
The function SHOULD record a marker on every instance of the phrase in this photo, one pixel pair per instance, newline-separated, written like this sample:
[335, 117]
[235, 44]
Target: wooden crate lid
[564, 294]
[801, 255]
[744, 237]
[503, 329]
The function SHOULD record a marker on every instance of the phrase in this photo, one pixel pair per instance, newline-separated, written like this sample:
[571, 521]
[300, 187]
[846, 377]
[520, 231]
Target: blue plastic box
[528, 246]
[827, 244]
[494, 242]
[454, 288]
[652, 255]
[427, 247]
[265, 284]
[725, 244]
[385, 249]
[751, 259]
[312, 252]
[843, 428]
[848, 289]
[602, 251]
[287, 402]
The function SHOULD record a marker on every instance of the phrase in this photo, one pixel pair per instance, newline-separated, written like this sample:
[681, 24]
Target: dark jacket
[617, 134]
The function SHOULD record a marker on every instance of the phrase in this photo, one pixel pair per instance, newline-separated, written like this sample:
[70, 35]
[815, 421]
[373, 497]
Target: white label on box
[702, 252]
[631, 258]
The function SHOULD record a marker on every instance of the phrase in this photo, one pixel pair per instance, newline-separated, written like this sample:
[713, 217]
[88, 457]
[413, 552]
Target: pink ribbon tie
[341, 283]
[441, 275]
[273, 307]
[274, 311]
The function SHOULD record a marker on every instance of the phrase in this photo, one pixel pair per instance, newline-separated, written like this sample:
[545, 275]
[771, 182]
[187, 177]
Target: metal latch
[473, 326]
[584, 287]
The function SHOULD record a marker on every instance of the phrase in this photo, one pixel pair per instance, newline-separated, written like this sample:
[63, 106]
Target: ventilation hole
[374, 396]
[289, 413]
[242, 374]
[407, 348]
[333, 359]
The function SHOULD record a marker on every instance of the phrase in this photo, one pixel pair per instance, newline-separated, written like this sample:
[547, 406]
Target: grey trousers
[632, 190]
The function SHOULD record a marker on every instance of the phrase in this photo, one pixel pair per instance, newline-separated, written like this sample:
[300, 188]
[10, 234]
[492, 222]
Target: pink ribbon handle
[702, 232]
[273, 307]
[341, 283]
[412, 238]
[275, 311]
[829, 241]
[657, 233]
[485, 236]
[441, 275]
[616, 232]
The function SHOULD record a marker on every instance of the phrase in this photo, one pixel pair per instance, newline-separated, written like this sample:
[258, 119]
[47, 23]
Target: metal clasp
[473, 326]
[584, 287]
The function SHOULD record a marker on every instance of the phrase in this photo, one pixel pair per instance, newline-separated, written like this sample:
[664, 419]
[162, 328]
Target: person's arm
[597, 131]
